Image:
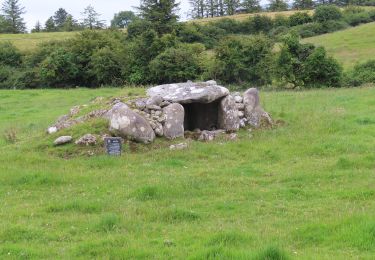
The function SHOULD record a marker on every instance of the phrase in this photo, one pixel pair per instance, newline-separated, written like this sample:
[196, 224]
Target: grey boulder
[174, 121]
[128, 124]
[63, 140]
[228, 115]
[190, 92]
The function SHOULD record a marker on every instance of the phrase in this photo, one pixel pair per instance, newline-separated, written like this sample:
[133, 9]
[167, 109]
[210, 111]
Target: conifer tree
[161, 13]
[12, 13]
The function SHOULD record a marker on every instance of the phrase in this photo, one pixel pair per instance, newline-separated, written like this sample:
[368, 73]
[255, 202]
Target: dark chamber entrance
[201, 116]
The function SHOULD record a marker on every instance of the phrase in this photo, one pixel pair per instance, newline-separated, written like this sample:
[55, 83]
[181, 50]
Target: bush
[333, 26]
[105, 67]
[281, 20]
[60, 69]
[244, 59]
[299, 18]
[278, 32]
[325, 13]
[9, 55]
[308, 30]
[361, 74]
[355, 19]
[321, 70]
[230, 26]
[177, 64]
[259, 23]
[301, 65]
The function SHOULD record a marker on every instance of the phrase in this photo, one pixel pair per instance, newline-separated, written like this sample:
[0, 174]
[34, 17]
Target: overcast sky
[41, 10]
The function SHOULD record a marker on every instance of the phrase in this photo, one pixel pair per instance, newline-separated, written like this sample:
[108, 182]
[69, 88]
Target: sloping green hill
[349, 46]
[27, 42]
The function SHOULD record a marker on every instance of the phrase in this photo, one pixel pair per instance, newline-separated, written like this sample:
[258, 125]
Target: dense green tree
[12, 13]
[70, 24]
[251, 6]
[60, 18]
[91, 19]
[123, 19]
[278, 5]
[326, 13]
[161, 13]
[4, 25]
[303, 4]
[50, 25]
[244, 59]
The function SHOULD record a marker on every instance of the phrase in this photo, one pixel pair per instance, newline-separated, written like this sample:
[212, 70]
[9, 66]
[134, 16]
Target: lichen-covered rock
[128, 124]
[63, 140]
[228, 115]
[154, 101]
[87, 140]
[174, 121]
[185, 93]
[250, 100]
[254, 113]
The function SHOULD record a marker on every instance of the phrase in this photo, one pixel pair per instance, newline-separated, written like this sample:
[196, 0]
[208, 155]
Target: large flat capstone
[190, 92]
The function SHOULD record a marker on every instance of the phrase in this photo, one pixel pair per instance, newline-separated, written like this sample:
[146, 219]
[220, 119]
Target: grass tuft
[272, 253]
[108, 223]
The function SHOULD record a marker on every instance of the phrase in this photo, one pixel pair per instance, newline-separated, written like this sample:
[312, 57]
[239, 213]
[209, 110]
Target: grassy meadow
[304, 190]
[29, 42]
[349, 46]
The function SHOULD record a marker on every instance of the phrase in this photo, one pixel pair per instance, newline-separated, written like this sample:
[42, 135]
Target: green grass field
[28, 42]
[304, 190]
[356, 44]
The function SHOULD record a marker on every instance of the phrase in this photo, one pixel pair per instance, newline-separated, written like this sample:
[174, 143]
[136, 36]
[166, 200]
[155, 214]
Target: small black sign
[113, 146]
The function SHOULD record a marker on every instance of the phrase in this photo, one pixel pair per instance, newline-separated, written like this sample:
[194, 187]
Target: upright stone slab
[251, 100]
[174, 123]
[128, 124]
[228, 115]
[254, 113]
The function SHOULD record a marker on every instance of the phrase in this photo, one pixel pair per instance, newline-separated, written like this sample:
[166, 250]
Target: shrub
[244, 59]
[281, 20]
[189, 33]
[325, 13]
[321, 70]
[59, 69]
[9, 55]
[105, 66]
[361, 74]
[299, 18]
[333, 26]
[301, 65]
[355, 19]
[257, 24]
[278, 32]
[177, 64]
[230, 26]
[308, 30]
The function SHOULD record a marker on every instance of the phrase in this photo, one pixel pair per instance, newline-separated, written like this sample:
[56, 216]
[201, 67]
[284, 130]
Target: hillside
[304, 190]
[242, 17]
[28, 42]
[349, 46]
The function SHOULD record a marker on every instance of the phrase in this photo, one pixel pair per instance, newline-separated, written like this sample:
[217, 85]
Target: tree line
[157, 49]
[215, 8]
[12, 21]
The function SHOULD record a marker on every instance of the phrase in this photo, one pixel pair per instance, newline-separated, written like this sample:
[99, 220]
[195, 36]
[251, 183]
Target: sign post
[113, 146]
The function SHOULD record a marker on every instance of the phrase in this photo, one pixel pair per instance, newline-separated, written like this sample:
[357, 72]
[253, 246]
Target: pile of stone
[164, 113]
